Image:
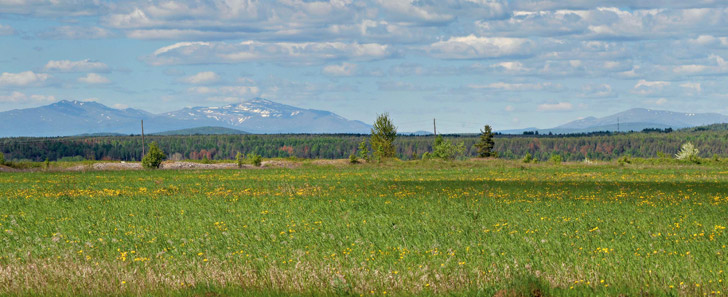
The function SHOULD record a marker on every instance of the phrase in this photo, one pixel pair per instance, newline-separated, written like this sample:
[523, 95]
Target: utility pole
[617, 125]
[143, 145]
[434, 126]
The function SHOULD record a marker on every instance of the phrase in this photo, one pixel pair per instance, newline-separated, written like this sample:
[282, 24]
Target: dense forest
[710, 140]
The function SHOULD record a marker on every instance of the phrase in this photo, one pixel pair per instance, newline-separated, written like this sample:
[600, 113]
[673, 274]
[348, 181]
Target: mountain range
[67, 118]
[258, 115]
[635, 119]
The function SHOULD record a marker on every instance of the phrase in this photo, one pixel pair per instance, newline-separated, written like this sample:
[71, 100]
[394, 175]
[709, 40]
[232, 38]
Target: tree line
[712, 140]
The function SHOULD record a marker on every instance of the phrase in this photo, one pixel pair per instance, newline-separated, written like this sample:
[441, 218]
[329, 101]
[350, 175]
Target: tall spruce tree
[486, 144]
[383, 134]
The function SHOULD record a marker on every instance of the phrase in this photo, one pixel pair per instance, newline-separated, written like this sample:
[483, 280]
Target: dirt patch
[330, 162]
[4, 168]
[192, 165]
[116, 166]
[167, 165]
[280, 164]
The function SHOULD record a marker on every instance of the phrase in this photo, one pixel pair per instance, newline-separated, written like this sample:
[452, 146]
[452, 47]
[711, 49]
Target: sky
[467, 63]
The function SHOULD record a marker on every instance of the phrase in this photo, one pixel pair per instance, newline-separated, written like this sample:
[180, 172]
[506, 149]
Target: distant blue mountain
[66, 118]
[635, 119]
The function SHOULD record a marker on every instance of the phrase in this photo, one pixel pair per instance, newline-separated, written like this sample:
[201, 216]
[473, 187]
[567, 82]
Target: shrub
[363, 151]
[426, 156]
[255, 159]
[2, 158]
[624, 160]
[239, 159]
[528, 158]
[353, 159]
[154, 157]
[446, 150]
[205, 160]
[688, 152]
[556, 159]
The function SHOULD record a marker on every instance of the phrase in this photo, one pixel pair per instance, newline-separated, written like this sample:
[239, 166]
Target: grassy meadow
[411, 228]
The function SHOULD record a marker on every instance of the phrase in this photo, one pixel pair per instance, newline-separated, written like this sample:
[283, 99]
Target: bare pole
[143, 144]
[434, 126]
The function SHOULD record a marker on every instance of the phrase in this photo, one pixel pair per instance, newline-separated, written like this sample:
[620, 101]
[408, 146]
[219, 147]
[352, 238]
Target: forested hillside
[709, 140]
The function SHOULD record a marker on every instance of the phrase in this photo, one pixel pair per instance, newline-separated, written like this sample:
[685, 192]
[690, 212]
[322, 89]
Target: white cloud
[6, 30]
[511, 67]
[597, 91]
[23, 79]
[397, 86]
[660, 101]
[233, 19]
[709, 40]
[473, 47]
[205, 77]
[644, 87]
[516, 86]
[561, 106]
[408, 10]
[510, 108]
[239, 91]
[292, 53]
[689, 69]
[713, 65]
[54, 8]
[345, 69]
[76, 32]
[76, 66]
[94, 79]
[651, 84]
[590, 20]
[692, 86]
[18, 97]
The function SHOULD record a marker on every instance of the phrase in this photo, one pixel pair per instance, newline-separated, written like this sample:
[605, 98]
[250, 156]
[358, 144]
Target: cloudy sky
[511, 64]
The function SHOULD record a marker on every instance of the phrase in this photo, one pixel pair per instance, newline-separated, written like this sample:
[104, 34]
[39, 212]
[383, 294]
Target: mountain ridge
[258, 115]
[634, 119]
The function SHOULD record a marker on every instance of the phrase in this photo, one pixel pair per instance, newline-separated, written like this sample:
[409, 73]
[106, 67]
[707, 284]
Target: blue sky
[510, 64]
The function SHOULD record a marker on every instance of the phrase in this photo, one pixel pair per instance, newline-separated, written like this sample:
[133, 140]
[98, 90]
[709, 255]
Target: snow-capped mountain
[265, 116]
[65, 118]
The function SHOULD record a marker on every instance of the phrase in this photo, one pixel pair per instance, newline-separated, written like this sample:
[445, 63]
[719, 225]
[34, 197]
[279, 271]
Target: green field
[408, 228]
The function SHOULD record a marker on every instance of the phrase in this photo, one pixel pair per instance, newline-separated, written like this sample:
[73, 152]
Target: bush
[624, 160]
[688, 152]
[255, 159]
[363, 151]
[205, 160]
[556, 159]
[239, 159]
[528, 158]
[154, 158]
[353, 159]
[446, 150]
[2, 158]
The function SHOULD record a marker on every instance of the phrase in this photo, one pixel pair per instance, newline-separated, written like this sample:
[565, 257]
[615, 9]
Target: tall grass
[430, 229]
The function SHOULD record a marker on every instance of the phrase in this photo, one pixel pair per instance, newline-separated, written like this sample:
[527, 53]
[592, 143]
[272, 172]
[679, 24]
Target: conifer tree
[486, 144]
